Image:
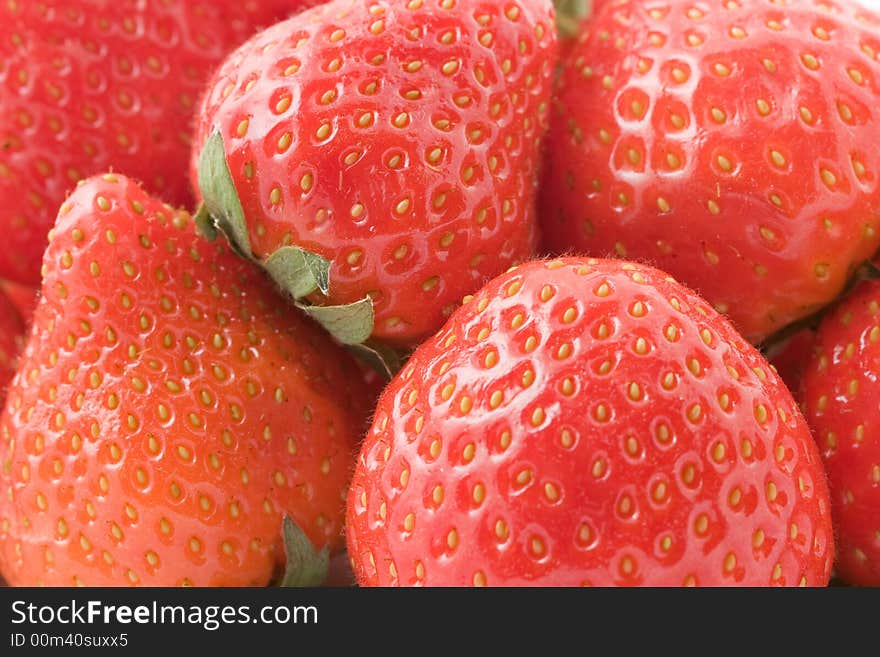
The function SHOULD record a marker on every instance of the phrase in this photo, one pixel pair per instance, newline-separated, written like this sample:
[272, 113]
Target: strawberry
[22, 297]
[726, 143]
[11, 331]
[168, 410]
[790, 357]
[87, 85]
[840, 392]
[585, 421]
[379, 157]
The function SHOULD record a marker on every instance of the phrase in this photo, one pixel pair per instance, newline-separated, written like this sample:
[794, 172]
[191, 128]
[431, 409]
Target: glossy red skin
[840, 391]
[287, 407]
[790, 358]
[415, 290]
[11, 332]
[598, 201]
[549, 485]
[77, 100]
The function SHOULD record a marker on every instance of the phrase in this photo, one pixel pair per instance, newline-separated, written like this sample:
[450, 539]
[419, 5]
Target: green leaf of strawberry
[399, 141]
[569, 14]
[351, 324]
[381, 358]
[305, 566]
[222, 208]
[297, 272]
[205, 223]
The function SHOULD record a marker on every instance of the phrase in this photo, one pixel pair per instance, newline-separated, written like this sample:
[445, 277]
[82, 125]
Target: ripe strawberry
[588, 422]
[726, 143]
[11, 331]
[22, 297]
[396, 140]
[840, 391]
[168, 410]
[87, 85]
[790, 358]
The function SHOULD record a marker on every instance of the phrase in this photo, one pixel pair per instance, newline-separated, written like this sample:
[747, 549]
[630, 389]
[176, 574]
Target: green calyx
[297, 272]
[222, 208]
[306, 567]
[569, 14]
[350, 324]
[385, 360]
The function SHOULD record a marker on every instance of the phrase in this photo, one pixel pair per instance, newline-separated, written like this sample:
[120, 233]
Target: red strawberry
[840, 391]
[168, 410]
[396, 140]
[11, 331]
[22, 297]
[588, 422]
[727, 143]
[87, 85]
[790, 358]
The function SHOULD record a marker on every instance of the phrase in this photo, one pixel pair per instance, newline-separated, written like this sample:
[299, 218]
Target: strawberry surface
[728, 143]
[90, 85]
[22, 297]
[590, 422]
[396, 139]
[791, 356]
[840, 391]
[11, 332]
[169, 410]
